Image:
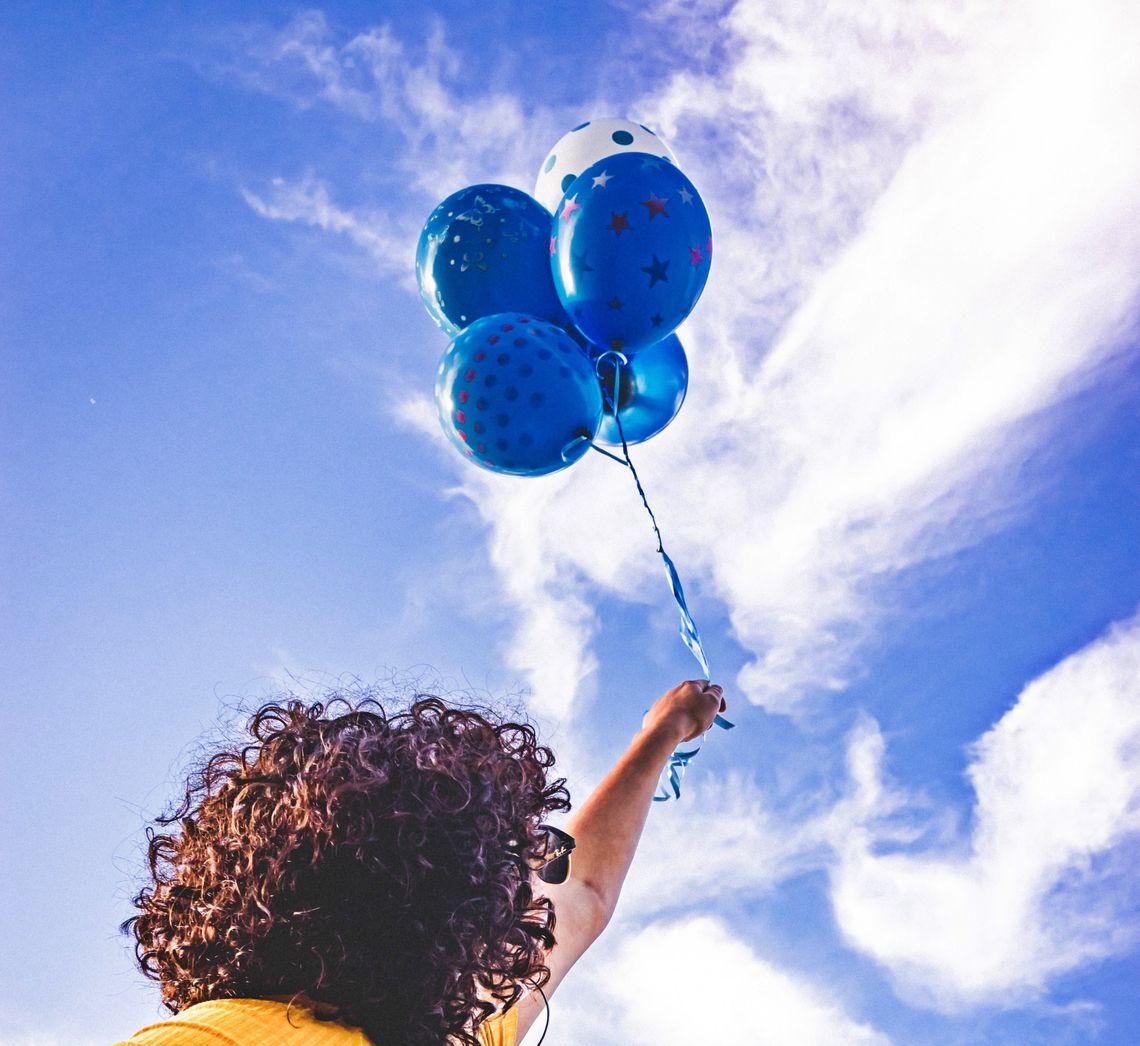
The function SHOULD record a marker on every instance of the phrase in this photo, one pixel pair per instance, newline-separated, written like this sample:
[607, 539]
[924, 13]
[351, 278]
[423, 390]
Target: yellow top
[263, 1022]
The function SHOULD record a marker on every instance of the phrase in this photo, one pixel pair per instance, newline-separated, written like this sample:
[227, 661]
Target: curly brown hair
[375, 863]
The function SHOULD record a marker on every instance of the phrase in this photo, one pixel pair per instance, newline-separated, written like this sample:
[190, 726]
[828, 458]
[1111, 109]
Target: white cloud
[390, 243]
[986, 283]
[447, 132]
[733, 838]
[1045, 883]
[727, 839]
[440, 135]
[692, 981]
[555, 619]
[940, 263]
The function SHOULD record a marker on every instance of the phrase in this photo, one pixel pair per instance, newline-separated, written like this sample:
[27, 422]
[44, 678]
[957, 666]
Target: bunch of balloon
[561, 308]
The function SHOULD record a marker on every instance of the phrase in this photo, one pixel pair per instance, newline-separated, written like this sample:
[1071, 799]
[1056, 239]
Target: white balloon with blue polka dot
[584, 146]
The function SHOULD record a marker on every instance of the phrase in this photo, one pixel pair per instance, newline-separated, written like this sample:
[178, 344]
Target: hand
[687, 711]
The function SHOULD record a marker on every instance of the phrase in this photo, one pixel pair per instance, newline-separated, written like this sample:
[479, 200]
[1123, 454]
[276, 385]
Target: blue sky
[903, 491]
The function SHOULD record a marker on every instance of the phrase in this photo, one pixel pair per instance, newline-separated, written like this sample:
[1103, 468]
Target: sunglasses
[554, 862]
[555, 868]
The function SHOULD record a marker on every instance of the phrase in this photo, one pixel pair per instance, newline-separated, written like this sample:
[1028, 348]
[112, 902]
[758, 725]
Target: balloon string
[612, 457]
[669, 787]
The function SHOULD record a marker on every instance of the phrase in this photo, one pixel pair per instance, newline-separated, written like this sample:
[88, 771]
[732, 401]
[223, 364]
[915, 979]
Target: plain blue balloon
[651, 386]
[632, 248]
[486, 250]
[517, 395]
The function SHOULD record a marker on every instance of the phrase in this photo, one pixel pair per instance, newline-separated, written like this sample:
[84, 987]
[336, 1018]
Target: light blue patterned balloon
[485, 250]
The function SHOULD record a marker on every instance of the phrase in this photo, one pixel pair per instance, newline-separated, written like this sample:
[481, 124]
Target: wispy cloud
[693, 980]
[928, 325]
[913, 263]
[389, 242]
[749, 843]
[1041, 884]
[445, 134]
[1045, 882]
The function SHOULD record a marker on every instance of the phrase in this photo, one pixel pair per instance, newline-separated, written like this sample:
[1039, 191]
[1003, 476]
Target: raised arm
[608, 827]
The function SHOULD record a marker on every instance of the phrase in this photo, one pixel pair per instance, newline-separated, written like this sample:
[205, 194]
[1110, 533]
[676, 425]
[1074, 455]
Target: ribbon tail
[690, 634]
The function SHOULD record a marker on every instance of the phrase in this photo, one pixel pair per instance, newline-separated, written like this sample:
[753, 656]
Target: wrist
[664, 733]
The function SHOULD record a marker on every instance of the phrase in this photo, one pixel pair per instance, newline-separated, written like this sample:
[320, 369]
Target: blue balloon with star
[632, 249]
[485, 250]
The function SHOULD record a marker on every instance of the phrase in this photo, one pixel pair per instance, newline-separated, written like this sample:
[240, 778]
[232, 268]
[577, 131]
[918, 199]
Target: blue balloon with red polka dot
[632, 249]
[484, 250]
[518, 395]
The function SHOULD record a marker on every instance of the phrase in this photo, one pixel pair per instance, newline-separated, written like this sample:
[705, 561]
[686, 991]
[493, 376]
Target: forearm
[608, 828]
[609, 825]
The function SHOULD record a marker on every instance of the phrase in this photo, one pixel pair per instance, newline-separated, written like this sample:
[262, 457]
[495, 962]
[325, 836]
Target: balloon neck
[616, 381]
[580, 437]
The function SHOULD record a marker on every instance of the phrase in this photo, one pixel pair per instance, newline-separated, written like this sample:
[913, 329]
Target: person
[350, 877]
